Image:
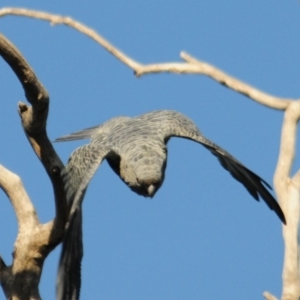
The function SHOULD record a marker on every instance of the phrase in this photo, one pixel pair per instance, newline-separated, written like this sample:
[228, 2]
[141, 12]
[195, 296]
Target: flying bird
[136, 149]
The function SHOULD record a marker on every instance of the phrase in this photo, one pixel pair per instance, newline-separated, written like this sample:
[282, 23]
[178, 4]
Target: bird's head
[144, 172]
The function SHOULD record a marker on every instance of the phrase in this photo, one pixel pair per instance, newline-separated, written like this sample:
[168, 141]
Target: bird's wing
[95, 132]
[81, 167]
[69, 272]
[176, 124]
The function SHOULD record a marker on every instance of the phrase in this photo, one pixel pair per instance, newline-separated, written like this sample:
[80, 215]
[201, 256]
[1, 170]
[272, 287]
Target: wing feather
[175, 124]
[81, 167]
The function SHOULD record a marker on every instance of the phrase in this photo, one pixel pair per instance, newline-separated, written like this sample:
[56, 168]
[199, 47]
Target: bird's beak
[151, 190]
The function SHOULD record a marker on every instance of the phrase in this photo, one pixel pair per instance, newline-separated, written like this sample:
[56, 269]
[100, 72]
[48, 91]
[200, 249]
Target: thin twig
[269, 296]
[57, 19]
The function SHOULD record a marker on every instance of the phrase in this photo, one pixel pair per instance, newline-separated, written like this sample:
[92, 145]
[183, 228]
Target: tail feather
[79, 135]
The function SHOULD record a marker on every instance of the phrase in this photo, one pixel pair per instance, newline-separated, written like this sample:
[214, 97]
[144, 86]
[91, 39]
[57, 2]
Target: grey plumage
[136, 149]
[69, 273]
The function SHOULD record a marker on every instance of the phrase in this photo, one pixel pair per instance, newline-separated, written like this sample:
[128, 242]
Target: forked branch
[34, 240]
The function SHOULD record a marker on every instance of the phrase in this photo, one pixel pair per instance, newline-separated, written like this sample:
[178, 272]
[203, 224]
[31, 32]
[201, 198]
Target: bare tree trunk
[287, 189]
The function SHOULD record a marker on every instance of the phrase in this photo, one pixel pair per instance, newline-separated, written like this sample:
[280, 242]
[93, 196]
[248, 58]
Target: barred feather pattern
[136, 150]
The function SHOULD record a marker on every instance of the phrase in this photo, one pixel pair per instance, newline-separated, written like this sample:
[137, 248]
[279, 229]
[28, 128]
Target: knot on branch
[56, 170]
[22, 107]
[33, 118]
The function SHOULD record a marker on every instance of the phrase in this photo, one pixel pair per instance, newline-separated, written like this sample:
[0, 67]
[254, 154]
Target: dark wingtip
[273, 204]
[283, 220]
[260, 186]
[69, 273]
[277, 209]
[267, 197]
[256, 186]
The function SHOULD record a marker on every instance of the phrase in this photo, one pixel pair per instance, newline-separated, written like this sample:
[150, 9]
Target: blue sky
[202, 236]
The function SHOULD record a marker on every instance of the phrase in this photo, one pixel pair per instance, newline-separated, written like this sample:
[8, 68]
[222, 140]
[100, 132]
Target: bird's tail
[79, 135]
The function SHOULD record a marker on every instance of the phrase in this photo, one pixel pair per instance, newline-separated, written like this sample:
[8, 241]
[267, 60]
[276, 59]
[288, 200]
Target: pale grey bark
[287, 188]
[34, 240]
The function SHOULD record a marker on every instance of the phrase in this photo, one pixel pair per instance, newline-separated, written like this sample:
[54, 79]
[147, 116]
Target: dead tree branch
[192, 65]
[268, 296]
[34, 240]
[237, 85]
[287, 189]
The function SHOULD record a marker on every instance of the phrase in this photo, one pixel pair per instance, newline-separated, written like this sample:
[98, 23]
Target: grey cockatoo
[136, 149]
